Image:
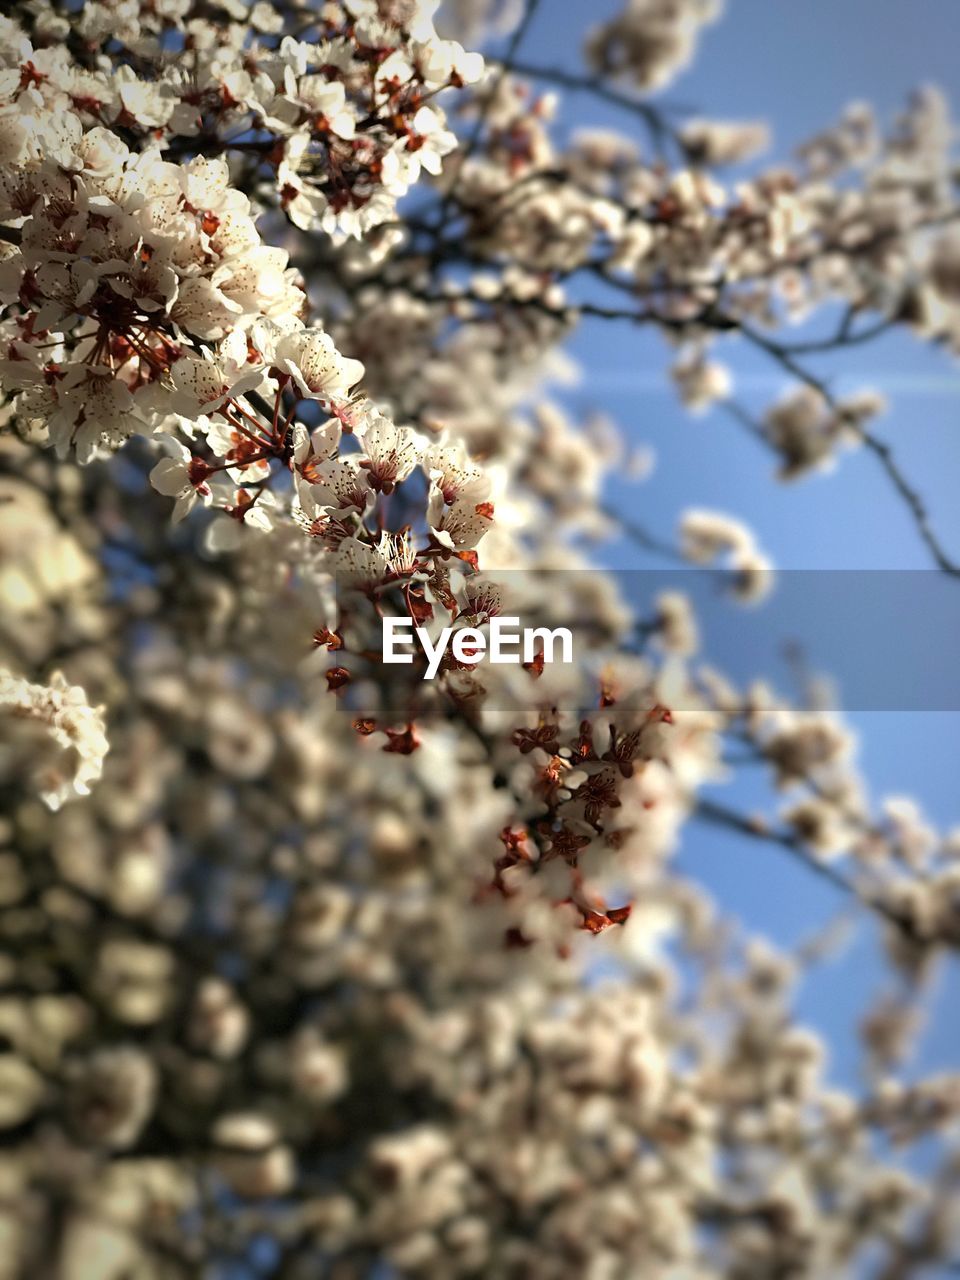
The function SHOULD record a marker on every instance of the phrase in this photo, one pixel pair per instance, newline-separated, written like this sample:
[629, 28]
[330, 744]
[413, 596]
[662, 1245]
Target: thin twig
[644, 538]
[879, 448]
[463, 154]
[758, 829]
[652, 117]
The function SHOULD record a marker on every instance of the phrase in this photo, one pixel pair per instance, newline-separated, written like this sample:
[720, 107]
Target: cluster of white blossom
[651, 41]
[861, 220]
[805, 429]
[344, 121]
[701, 382]
[723, 142]
[710, 537]
[309, 979]
[364, 899]
[52, 734]
[121, 256]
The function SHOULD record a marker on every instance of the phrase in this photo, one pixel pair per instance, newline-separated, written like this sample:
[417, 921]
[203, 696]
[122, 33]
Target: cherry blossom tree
[298, 956]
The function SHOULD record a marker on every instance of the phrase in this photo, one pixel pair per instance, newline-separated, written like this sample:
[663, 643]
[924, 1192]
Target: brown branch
[463, 155]
[759, 829]
[842, 338]
[640, 535]
[653, 118]
[879, 448]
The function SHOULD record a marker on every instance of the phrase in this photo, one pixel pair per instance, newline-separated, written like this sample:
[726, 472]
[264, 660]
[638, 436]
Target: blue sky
[795, 66]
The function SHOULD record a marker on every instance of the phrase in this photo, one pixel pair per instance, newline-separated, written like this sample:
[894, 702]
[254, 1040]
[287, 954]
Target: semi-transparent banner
[863, 639]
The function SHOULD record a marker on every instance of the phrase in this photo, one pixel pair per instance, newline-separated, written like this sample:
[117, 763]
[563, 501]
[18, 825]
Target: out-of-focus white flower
[62, 736]
[701, 382]
[710, 536]
[250, 1156]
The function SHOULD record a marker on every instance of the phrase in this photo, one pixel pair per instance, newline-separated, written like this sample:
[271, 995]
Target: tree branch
[653, 118]
[879, 448]
[463, 155]
[758, 829]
